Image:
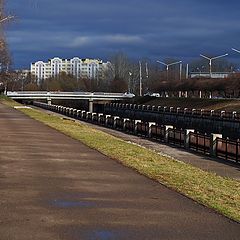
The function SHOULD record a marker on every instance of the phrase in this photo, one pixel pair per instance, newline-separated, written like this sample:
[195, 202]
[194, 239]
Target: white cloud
[113, 39]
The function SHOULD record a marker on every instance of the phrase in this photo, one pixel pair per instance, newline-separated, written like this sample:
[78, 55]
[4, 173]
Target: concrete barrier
[106, 120]
[150, 124]
[115, 121]
[167, 128]
[187, 137]
[213, 144]
[135, 126]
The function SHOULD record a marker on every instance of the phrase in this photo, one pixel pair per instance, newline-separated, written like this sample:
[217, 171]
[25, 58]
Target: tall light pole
[140, 78]
[235, 50]
[168, 65]
[180, 72]
[129, 82]
[211, 59]
[6, 18]
[187, 70]
[147, 72]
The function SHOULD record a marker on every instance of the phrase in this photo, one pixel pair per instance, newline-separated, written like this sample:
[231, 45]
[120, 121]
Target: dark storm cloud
[154, 28]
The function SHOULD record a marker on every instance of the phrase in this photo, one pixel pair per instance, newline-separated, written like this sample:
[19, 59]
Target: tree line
[123, 75]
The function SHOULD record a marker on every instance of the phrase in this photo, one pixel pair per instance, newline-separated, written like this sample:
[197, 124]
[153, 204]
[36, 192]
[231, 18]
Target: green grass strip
[216, 192]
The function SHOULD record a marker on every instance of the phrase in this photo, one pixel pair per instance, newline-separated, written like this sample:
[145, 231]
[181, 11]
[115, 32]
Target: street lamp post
[235, 50]
[6, 18]
[180, 71]
[140, 78]
[211, 59]
[129, 82]
[147, 72]
[168, 65]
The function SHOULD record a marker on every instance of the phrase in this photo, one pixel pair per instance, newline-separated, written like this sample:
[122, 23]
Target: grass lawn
[219, 193]
[208, 104]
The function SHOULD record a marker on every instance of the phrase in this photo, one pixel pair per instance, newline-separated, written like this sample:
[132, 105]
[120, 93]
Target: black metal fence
[130, 126]
[199, 142]
[228, 149]
[143, 129]
[225, 148]
[205, 113]
[176, 136]
[119, 123]
[158, 132]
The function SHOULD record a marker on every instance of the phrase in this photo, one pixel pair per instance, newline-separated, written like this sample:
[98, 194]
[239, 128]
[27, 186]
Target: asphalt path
[53, 187]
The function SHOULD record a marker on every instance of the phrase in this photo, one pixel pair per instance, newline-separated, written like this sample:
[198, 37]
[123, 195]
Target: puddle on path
[103, 235]
[70, 204]
[99, 233]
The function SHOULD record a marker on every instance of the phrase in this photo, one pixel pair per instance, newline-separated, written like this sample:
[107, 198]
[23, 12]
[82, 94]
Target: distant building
[80, 68]
[23, 74]
[208, 75]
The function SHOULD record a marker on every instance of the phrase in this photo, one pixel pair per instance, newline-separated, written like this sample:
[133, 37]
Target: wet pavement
[53, 187]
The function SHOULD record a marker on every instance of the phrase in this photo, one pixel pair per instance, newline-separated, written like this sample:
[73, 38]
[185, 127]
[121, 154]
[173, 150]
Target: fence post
[124, 123]
[234, 114]
[82, 113]
[94, 115]
[166, 128]
[78, 113]
[135, 126]
[187, 137]
[213, 143]
[87, 116]
[115, 121]
[106, 119]
[99, 118]
[150, 124]
[237, 150]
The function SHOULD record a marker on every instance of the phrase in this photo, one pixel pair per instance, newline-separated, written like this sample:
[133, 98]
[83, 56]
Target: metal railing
[130, 126]
[199, 142]
[143, 129]
[228, 149]
[201, 113]
[222, 148]
[119, 123]
[158, 132]
[176, 137]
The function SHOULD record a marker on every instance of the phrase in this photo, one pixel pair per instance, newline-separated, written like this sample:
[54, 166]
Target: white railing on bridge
[68, 95]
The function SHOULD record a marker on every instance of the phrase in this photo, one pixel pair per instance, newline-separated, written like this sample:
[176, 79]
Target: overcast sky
[155, 29]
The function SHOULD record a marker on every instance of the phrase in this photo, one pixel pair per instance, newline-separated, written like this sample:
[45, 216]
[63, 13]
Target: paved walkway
[53, 187]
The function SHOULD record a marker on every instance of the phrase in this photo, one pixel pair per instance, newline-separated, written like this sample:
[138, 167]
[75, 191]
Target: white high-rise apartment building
[80, 68]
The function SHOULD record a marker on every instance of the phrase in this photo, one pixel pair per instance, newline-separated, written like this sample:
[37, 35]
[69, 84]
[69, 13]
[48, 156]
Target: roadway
[53, 187]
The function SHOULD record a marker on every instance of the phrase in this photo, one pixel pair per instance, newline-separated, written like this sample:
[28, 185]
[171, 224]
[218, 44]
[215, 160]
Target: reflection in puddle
[69, 204]
[103, 235]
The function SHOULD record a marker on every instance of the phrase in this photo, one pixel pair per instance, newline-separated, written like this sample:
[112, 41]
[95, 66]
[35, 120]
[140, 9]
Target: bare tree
[5, 58]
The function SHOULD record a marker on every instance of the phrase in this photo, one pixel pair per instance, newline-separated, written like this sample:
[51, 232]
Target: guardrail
[68, 95]
[176, 137]
[210, 145]
[201, 113]
[228, 149]
[199, 142]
